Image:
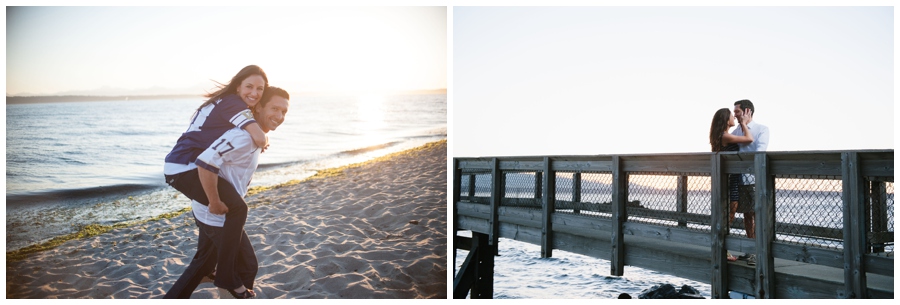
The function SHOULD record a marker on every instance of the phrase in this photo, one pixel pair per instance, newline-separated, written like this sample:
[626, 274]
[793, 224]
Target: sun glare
[370, 109]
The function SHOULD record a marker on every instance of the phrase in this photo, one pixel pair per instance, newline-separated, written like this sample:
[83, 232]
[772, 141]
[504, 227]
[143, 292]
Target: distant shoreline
[11, 100]
[432, 91]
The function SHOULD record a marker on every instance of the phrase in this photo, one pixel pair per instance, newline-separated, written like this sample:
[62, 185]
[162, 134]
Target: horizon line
[30, 99]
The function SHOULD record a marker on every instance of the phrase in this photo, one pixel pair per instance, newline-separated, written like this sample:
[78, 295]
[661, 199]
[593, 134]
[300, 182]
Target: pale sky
[622, 80]
[52, 50]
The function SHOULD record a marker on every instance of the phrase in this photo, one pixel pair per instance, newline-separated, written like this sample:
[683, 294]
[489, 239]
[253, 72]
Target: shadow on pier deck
[824, 220]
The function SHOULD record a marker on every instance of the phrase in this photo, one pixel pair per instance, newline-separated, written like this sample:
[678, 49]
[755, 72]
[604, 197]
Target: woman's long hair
[718, 127]
[231, 87]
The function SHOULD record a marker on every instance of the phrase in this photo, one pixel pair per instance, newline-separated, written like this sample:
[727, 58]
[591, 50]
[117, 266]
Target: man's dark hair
[271, 92]
[745, 104]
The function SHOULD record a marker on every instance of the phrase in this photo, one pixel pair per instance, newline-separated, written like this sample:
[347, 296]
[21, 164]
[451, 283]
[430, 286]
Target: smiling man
[230, 161]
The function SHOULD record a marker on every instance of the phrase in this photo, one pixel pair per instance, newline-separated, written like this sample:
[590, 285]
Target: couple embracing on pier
[749, 137]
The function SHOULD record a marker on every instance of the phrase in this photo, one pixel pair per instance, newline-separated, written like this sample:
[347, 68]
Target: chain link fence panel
[475, 187]
[808, 211]
[587, 194]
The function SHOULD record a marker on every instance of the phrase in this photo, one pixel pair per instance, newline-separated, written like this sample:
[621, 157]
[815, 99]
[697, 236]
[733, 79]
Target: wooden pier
[824, 219]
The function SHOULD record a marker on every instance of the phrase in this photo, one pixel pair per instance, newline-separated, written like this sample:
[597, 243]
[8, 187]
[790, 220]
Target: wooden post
[457, 184]
[719, 227]
[477, 272]
[867, 204]
[681, 200]
[484, 284]
[576, 191]
[472, 188]
[619, 198]
[765, 228]
[465, 279]
[879, 213]
[497, 186]
[538, 181]
[854, 226]
[549, 207]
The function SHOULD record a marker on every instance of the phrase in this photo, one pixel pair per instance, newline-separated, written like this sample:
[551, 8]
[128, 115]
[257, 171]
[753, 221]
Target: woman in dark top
[721, 140]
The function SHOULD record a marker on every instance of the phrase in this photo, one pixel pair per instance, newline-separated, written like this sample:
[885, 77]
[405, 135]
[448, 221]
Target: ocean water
[521, 273]
[73, 164]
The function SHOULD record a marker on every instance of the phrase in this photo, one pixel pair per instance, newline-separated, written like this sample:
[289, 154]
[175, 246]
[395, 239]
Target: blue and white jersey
[234, 157]
[207, 125]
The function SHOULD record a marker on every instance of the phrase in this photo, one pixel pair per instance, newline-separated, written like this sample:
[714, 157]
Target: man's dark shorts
[747, 195]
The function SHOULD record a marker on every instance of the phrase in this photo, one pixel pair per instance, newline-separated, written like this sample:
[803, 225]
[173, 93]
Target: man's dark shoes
[751, 260]
[230, 294]
[209, 278]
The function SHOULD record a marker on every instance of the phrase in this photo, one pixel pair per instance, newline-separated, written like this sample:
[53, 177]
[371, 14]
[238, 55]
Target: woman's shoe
[731, 258]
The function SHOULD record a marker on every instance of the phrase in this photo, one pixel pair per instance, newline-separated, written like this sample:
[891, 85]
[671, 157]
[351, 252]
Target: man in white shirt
[747, 189]
[229, 161]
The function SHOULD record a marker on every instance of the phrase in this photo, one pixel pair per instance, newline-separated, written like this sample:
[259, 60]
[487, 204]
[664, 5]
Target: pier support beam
[619, 198]
[549, 207]
[457, 185]
[477, 272]
[498, 184]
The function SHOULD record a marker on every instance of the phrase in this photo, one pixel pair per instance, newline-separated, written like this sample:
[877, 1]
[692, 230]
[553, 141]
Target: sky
[633, 80]
[533, 80]
[60, 50]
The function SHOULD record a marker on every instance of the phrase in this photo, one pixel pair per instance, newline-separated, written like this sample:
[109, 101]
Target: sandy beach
[372, 230]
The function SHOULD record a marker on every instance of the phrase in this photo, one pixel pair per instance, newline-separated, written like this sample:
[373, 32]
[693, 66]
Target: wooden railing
[531, 210]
